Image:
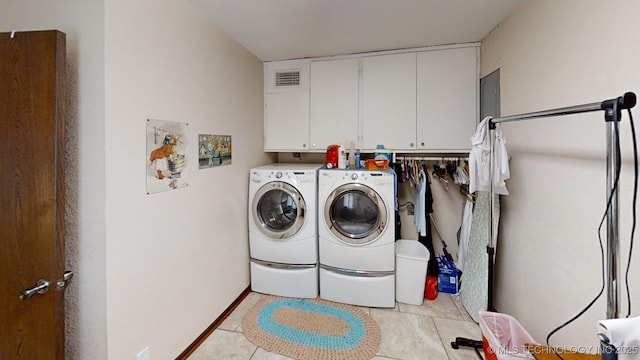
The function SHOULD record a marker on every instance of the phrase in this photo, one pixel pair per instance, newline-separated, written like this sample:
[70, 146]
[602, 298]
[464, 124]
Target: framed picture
[214, 150]
[167, 149]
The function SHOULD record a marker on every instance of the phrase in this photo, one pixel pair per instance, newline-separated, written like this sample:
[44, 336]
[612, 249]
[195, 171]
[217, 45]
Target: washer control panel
[308, 176]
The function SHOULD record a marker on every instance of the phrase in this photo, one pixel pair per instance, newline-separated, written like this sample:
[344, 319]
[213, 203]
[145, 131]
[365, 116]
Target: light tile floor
[408, 332]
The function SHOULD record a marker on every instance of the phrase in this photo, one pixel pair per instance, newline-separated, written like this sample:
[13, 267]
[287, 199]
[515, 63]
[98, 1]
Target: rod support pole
[612, 116]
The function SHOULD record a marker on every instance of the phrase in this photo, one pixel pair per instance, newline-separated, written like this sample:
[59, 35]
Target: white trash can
[411, 271]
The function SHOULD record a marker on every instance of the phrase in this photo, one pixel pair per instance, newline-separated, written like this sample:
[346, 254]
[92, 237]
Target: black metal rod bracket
[613, 107]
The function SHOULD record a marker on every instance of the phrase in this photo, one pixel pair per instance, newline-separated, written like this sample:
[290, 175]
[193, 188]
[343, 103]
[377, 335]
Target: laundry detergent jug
[332, 156]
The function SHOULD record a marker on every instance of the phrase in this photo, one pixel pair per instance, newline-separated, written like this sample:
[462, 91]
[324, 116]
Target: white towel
[624, 334]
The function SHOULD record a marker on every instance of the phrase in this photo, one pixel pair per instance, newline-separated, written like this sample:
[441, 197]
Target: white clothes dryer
[283, 229]
[356, 235]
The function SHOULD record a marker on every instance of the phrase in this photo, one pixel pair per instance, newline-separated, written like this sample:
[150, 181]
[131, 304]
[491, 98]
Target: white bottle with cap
[342, 157]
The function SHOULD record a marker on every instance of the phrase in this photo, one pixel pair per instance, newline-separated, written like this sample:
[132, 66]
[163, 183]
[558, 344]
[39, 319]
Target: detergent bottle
[352, 156]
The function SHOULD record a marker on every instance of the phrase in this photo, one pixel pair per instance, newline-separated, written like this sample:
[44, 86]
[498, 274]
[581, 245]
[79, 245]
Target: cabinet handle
[313, 145]
[422, 144]
[411, 144]
[304, 145]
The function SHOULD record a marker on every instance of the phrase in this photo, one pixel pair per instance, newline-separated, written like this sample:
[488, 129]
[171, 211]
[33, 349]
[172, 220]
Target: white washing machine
[283, 236]
[356, 235]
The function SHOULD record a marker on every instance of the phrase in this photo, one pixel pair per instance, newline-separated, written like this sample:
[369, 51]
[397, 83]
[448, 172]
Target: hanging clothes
[479, 160]
[419, 217]
[475, 284]
[425, 198]
[428, 201]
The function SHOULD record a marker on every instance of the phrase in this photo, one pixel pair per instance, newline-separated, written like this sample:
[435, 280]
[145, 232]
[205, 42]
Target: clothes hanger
[441, 174]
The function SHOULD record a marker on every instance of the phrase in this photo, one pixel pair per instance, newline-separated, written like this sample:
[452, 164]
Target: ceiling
[291, 29]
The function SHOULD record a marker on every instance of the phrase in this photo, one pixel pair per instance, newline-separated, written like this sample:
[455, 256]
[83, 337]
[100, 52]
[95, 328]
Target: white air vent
[287, 78]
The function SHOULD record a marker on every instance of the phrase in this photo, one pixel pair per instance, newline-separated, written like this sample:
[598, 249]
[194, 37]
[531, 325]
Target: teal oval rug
[311, 329]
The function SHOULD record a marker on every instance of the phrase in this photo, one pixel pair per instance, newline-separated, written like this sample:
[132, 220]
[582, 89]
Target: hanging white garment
[465, 231]
[479, 160]
[419, 216]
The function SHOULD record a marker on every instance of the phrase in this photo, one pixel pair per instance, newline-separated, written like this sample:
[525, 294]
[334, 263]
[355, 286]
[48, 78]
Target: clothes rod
[625, 102]
[432, 158]
[612, 113]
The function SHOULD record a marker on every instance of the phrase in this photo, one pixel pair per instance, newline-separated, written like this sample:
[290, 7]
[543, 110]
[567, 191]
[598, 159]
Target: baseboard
[205, 334]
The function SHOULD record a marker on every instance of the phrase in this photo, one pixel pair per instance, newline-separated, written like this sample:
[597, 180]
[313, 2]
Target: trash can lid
[411, 249]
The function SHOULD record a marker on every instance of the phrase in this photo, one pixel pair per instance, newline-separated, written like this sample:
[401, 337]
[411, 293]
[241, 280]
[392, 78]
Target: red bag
[431, 288]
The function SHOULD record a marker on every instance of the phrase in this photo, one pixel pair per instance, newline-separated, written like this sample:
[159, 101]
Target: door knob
[40, 288]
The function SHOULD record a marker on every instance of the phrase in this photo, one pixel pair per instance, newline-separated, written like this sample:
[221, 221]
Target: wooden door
[32, 113]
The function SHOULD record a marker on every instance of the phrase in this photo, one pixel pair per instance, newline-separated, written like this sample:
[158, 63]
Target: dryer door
[278, 210]
[355, 214]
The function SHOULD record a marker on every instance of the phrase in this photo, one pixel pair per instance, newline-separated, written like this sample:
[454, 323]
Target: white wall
[555, 54]
[176, 259]
[151, 270]
[82, 22]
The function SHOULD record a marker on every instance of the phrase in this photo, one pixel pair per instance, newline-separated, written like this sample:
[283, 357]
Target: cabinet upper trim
[384, 52]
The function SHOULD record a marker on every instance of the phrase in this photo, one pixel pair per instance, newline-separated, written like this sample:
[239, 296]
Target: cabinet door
[334, 103]
[389, 101]
[447, 82]
[286, 121]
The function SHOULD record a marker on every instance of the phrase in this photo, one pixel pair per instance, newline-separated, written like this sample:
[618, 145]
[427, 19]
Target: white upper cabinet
[286, 105]
[389, 101]
[425, 100]
[334, 102]
[447, 103]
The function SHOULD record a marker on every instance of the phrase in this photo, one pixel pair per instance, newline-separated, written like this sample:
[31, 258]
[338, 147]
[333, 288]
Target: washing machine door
[278, 210]
[355, 214]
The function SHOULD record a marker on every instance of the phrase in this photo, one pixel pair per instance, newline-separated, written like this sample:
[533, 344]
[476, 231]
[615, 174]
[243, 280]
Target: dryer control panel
[383, 180]
[380, 179]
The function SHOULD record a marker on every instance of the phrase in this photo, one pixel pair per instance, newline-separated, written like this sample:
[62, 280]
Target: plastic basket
[503, 338]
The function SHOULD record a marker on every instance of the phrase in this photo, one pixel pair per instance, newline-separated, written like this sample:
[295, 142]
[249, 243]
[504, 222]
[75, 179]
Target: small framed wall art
[214, 150]
[167, 149]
